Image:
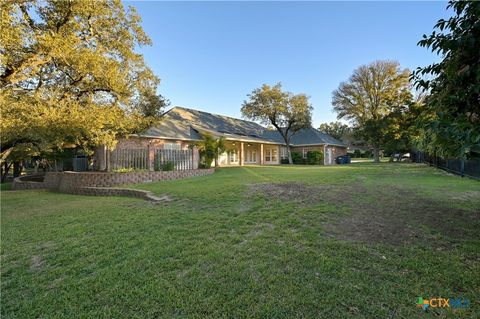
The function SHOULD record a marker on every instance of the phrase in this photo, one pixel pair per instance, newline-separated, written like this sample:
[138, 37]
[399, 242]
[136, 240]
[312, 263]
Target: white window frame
[271, 155]
[274, 155]
[172, 146]
[251, 156]
[233, 156]
[304, 152]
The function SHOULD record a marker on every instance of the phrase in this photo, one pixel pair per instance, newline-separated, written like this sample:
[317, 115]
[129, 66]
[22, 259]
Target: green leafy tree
[372, 93]
[402, 133]
[69, 75]
[287, 112]
[450, 123]
[337, 130]
[210, 148]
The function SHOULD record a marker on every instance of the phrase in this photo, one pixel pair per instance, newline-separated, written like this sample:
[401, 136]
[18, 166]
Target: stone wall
[98, 182]
[75, 180]
[20, 184]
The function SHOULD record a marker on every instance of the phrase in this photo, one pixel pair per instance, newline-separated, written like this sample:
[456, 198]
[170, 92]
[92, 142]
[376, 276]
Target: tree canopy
[450, 123]
[337, 130]
[69, 75]
[371, 94]
[285, 111]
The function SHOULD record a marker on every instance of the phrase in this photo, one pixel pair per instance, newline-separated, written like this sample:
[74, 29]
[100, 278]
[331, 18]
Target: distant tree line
[442, 118]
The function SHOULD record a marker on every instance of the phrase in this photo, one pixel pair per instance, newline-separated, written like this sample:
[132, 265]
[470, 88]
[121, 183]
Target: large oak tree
[69, 75]
[285, 111]
[371, 94]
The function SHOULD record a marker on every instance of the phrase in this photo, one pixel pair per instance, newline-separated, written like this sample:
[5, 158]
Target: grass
[349, 241]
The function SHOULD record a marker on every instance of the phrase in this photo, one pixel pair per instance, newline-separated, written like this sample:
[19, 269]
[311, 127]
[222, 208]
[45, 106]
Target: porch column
[241, 154]
[150, 158]
[195, 157]
[261, 154]
[107, 159]
[324, 155]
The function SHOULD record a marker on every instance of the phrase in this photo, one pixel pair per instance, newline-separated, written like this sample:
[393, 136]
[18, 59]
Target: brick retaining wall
[19, 184]
[73, 180]
[100, 183]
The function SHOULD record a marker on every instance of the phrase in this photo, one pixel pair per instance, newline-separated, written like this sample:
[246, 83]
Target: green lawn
[351, 241]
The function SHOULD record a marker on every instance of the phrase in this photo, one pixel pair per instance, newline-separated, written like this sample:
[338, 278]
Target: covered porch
[240, 153]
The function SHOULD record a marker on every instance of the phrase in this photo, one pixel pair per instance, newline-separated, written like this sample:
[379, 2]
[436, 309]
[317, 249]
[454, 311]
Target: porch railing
[129, 159]
[181, 159]
[152, 159]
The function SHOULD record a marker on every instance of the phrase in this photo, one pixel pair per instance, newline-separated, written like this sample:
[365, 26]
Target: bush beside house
[314, 158]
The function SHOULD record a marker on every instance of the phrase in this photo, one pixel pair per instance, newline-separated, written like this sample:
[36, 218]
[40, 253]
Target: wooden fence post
[107, 158]
[151, 158]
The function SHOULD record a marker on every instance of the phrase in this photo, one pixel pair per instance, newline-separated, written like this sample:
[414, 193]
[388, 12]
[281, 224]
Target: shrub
[368, 154]
[284, 161]
[205, 160]
[314, 158]
[297, 158]
[357, 154]
[202, 166]
[167, 166]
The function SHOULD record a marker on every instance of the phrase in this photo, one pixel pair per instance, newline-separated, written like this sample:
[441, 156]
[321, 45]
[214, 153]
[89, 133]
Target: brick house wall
[334, 151]
[136, 142]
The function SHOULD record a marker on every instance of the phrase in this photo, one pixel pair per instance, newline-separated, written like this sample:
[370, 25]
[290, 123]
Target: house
[248, 143]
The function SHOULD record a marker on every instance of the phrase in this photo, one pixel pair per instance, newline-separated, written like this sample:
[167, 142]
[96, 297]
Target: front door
[328, 156]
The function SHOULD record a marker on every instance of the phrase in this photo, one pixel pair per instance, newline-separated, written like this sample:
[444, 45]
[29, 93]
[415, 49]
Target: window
[172, 146]
[271, 155]
[251, 156]
[283, 152]
[274, 155]
[304, 151]
[233, 156]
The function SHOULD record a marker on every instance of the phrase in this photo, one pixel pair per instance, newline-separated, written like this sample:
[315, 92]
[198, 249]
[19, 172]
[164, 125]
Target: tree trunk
[376, 154]
[17, 169]
[289, 153]
[5, 169]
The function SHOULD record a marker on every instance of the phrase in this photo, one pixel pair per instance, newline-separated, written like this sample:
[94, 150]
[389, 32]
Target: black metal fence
[468, 167]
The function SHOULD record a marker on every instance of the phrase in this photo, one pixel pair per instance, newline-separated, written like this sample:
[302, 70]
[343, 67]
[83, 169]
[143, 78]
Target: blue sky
[210, 55]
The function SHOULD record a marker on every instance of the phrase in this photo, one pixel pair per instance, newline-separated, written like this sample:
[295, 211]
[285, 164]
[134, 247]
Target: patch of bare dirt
[300, 192]
[398, 216]
[387, 215]
[467, 196]
[36, 263]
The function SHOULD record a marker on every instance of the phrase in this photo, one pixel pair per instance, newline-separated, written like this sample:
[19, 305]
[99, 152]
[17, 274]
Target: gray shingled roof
[183, 123]
[311, 135]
